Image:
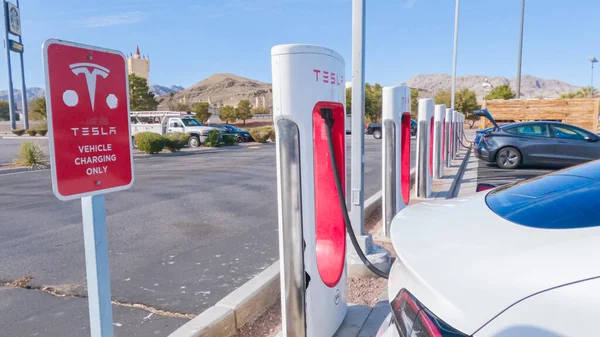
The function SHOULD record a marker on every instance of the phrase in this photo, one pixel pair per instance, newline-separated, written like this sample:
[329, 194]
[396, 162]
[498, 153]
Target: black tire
[508, 158]
[239, 139]
[194, 141]
[377, 134]
[133, 142]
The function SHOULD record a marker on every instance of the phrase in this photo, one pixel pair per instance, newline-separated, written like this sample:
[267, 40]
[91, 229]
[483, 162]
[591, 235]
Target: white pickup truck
[162, 122]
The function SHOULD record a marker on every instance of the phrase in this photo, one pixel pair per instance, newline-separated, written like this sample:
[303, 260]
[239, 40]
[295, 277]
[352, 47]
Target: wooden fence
[582, 112]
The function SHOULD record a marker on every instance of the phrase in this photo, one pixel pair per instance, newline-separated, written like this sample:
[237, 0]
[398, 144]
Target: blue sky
[189, 40]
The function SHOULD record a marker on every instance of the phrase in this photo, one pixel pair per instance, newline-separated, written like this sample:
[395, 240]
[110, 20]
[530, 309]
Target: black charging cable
[327, 115]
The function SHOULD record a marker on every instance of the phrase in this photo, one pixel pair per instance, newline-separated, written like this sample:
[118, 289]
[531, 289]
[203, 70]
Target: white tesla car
[516, 261]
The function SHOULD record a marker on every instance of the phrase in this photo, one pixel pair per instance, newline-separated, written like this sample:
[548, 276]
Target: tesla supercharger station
[448, 138]
[395, 152]
[438, 141]
[455, 133]
[424, 173]
[308, 81]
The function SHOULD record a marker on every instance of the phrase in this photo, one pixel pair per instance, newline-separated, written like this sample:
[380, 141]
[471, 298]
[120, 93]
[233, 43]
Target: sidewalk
[449, 187]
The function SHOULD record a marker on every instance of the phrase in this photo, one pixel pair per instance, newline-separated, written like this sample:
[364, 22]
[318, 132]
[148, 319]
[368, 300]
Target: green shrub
[31, 132]
[212, 139]
[31, 155]
[175, 141]
[42, 132]
[261, 134]
[229, 140]
[18, 132]
[149, 142]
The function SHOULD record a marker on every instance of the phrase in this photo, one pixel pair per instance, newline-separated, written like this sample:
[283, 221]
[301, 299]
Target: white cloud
[410, 3]
[126, 18]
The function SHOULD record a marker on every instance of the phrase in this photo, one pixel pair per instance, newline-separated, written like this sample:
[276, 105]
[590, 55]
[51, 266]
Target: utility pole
[592, 60]
[358, 113]
[454, 54]
[520, 50]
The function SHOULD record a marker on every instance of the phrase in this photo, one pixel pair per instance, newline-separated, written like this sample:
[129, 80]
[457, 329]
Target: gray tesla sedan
[537, 143]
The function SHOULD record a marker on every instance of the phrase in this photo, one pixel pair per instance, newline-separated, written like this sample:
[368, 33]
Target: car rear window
[538, 130]
[558, 201]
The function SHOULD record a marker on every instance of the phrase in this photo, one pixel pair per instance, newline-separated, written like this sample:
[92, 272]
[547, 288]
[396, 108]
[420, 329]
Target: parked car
[537, 143]
[162, 122]
[375, 129]
[230, 130]
[514, 261]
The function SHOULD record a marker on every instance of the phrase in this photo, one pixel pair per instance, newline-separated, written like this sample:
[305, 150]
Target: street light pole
[592, 60]
[520, 50]
[454, 53]
[358, 115]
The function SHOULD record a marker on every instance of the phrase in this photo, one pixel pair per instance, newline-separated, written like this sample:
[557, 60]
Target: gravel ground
[363, 291]
[267, 325]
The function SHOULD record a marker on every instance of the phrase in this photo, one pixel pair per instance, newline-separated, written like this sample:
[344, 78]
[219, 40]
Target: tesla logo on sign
[88, 119]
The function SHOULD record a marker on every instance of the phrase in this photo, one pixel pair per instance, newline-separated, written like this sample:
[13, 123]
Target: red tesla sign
[87, 101]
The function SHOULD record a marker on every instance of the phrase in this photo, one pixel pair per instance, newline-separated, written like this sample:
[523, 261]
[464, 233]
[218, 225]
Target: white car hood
[467, 264]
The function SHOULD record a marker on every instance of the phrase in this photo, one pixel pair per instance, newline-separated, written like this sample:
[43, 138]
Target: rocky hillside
[32, 93]
[162, 90]
[222, 89]
[531, 86]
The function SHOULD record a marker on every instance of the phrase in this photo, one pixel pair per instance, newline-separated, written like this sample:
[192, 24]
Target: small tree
[227, 114]
[348, 101]
[243, 111]
[140, 97]
[38, 109]
[201, 110]
[465, 102]
[182, 107]
[4, 111]
[501, 92]
[260, 110]
[414, 103]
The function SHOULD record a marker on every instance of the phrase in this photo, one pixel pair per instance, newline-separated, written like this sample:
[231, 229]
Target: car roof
[534, 122]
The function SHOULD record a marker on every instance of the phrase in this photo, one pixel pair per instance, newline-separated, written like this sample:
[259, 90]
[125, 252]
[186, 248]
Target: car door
[535, 143]
[175, 125]
[575, 145]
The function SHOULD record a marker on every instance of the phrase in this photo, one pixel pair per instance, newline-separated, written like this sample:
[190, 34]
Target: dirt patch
[21, 283]
[267, 325]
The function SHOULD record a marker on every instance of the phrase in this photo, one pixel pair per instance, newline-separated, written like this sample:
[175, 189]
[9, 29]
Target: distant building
[138, 65]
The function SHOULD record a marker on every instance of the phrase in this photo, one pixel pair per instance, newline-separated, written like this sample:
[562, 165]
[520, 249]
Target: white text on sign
[95, 159]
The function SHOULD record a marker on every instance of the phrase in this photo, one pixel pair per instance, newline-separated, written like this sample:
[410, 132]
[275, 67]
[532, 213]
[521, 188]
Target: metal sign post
[12, 22]
[87, 99]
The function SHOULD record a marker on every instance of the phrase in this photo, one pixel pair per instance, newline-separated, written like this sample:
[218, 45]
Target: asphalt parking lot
[192, 229]
[488, 173]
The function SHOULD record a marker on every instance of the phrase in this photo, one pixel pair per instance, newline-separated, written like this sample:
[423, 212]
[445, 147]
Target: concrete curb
[24, 137]
[453, 192]
[21, 170]
[248, 302]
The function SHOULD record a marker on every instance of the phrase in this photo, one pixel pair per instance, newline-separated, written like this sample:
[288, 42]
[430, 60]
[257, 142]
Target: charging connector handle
[327, 115]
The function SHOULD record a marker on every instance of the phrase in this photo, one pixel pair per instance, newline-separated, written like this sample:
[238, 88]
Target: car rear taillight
[412, 319]
[484, 187]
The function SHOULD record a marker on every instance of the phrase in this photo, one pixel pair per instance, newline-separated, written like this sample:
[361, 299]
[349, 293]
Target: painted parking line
[254, 147]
